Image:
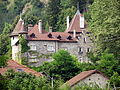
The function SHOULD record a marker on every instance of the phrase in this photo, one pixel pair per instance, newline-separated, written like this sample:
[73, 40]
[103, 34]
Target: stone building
[91, 78]
[42, 44]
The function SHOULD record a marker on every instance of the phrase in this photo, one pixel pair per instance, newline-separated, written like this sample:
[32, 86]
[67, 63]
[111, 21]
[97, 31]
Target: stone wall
[42, 51]
[94, 79]
[47, 47]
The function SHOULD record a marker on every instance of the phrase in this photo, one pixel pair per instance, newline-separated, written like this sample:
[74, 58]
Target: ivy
[23, 43]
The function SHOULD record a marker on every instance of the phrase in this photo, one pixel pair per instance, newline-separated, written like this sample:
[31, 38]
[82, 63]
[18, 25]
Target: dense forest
[102, 16]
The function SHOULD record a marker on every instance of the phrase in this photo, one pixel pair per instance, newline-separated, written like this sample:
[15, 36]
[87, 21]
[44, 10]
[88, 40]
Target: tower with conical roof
[18, 31]
[78, 29]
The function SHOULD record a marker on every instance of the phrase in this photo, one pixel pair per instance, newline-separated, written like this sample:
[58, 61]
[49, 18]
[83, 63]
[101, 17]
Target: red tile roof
[11, 64]
[82, 76]
[44, 35]
[75, 23]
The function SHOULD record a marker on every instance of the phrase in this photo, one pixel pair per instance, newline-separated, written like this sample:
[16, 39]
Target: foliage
[87, 87]
[3, 61]
[3, 83]
[105, 25]
[61, 23]
[108, 64]
[23, 81]
[52, 11]
[63, 67]
[24, 45]
[24, 61]
[115, 80]
[29, 19]
[5, 47]
[93, 57]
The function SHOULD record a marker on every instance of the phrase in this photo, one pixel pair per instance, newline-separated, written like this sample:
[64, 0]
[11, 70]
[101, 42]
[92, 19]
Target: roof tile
[11, 64]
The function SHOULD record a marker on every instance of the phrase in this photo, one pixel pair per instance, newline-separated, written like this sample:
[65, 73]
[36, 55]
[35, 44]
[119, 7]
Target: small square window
[33, 60]
[50, 48]
[33, 47]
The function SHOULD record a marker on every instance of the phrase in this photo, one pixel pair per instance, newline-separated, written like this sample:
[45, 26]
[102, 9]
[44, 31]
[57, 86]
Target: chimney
[30, 26]
[40, 26]
[68, 22]
[82, 21]
[74, 34]
[50, 29]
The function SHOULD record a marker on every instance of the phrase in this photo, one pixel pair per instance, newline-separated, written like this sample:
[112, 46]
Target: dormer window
[32, 35]
[59, 37]
[69, 37]
[50, 35]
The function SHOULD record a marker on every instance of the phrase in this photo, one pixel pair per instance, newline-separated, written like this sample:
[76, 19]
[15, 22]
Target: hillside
[52, 12]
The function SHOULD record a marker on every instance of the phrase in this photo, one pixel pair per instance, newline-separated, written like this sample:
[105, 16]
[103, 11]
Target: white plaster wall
[14, 39]
[16, 52]
[16, 49]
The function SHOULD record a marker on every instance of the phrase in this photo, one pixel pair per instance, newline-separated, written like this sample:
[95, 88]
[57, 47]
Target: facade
[92, 77]
[42, 44]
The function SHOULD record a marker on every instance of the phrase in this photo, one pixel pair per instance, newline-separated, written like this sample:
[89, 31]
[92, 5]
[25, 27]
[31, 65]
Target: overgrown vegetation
[24, 44]
[104, 22]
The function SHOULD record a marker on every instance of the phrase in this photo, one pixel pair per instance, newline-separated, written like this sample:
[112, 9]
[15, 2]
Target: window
[32, 35]
[80, 59]
[88, 49]
[33, 60]
[20, 70]
[33, 47]
[50, 48]
[80, 50]
[84, 40]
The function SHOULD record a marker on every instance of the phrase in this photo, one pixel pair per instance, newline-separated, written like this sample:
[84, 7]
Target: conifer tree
[105, 25]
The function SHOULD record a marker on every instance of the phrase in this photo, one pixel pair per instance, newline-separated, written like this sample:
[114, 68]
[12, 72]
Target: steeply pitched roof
[44, 35]
[75, 23]
[11, 64]
[82, 76]
[19, 28]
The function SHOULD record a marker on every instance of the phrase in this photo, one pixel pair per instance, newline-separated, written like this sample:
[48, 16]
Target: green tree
[5, 47]
[24, 45]
[23, 81]
[115, 80]
[108, 64]
[105, 25]
[61, 23]
[63, 67]
[53, 9]
[3, 61]
[3, 83]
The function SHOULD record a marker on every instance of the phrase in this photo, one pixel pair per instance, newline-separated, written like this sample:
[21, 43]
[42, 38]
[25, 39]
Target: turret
[19, 30]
